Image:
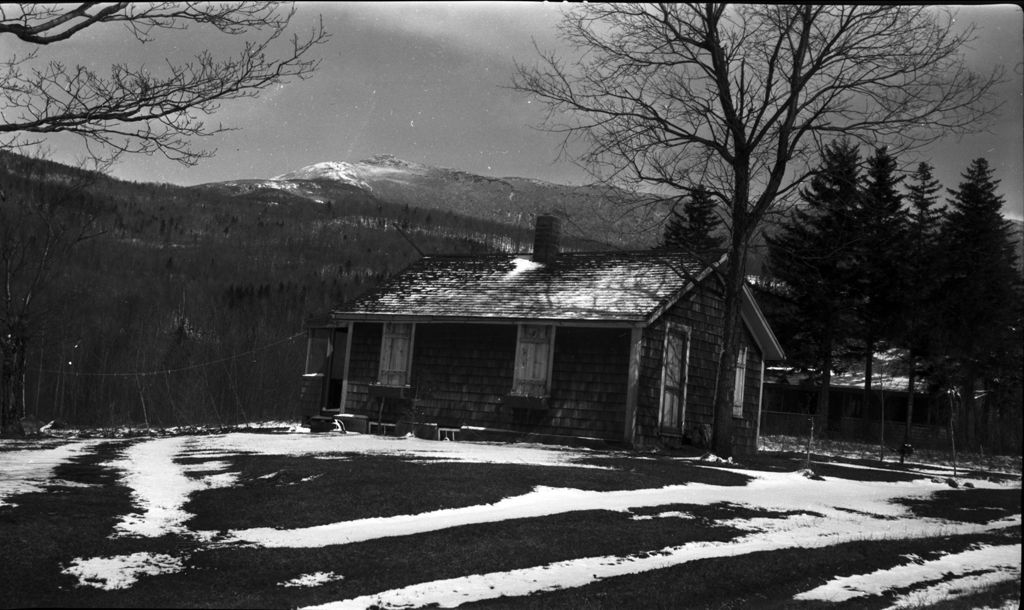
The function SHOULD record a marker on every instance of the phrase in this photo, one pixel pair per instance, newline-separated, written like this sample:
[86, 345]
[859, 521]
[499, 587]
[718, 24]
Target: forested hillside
[187, 305]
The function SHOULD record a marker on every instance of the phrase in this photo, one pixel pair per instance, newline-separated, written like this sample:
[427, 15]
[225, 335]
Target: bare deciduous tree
[141, 109]
[740, 98]
[131, 109]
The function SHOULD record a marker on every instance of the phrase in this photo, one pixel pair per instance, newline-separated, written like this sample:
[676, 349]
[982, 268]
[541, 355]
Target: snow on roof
[587, 286]
[625, 288]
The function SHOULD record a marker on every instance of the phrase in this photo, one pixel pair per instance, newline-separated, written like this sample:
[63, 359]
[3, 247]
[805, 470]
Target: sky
[429, 83]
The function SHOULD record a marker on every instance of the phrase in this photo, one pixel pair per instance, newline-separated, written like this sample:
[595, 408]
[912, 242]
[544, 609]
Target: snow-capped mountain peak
[329, 170]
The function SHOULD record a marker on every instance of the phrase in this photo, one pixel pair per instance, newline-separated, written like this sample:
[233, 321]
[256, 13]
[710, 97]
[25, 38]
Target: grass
[45, 531]
[359, 486]
[966, 462]
[759, 580]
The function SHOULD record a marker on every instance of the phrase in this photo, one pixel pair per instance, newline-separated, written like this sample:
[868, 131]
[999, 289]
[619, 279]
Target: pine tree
[981, 292]
[925, 218]
[920, 283]
[882, 225]
[812, 256]
[696, 229]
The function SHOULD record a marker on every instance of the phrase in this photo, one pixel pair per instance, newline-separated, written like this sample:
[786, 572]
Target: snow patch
[669, 514]
[845, 510]
[160, 487]
[848, 511]
[121, 571]
[329, 170]
[335, 446]
[572, 573]
[711, 458]
[1000, 563]
[522, 265]
[31, 470]
[312, 580]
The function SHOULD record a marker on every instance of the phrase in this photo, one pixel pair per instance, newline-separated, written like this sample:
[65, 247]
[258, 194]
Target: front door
[673, 380]
[335, 382]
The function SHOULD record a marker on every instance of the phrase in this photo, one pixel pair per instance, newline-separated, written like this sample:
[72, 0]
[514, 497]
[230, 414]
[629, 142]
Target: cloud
[492, 28]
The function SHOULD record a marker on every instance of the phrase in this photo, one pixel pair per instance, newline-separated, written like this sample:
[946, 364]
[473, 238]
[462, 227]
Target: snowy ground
[821, 513]
[31, 469]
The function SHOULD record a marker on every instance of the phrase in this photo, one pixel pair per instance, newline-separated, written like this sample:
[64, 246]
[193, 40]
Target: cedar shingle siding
[701, 311]
[588, 388]
[462, 374]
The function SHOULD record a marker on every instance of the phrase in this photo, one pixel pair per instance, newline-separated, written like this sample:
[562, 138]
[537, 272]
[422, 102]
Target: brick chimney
[547, 233]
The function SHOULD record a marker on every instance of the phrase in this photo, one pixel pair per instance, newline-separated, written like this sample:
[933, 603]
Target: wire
[181, 369]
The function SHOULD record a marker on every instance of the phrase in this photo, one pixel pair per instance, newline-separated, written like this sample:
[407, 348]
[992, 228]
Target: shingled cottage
[612, 347]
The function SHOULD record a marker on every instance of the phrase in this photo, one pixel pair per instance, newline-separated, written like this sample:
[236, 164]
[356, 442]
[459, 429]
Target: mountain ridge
[594, 212]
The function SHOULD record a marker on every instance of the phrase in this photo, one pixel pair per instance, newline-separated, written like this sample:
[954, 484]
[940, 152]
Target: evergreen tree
[981, 292]
[696, 229]
[812, 257]
[921, 271]
[882, 225]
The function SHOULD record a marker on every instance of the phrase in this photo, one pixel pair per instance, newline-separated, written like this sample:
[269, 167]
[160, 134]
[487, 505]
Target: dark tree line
[873, 261]
[187, 306]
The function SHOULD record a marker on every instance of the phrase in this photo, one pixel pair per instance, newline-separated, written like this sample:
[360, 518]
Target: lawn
[291, 519]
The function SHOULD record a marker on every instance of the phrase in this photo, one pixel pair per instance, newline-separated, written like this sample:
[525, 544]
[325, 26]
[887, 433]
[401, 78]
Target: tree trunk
[721, 442]
[869, 363]
[824, 393]
[910, 409]
[968, 405]
[12, 383]
[911, 378]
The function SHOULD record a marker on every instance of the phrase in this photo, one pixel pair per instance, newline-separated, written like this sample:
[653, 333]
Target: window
[395, 354]
[676, 354]
[740, 383]
[317, 350]
[532, 373]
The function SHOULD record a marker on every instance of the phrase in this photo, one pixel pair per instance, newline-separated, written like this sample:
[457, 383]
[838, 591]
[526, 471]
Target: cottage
[617, 347]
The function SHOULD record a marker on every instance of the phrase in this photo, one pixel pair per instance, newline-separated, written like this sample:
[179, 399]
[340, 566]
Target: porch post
[633, 385]
[348, 357]
[760, 399]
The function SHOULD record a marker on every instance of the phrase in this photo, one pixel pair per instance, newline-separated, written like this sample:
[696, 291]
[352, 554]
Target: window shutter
[740, 383]
[395, 354]
[533, 360]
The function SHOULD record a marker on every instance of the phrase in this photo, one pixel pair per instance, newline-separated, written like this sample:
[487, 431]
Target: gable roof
[604, 288]
[583, 287]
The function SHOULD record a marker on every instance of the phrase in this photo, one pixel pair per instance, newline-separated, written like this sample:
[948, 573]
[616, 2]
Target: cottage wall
[702, 312]
[462, 374]
[744, 430]
[589, 383]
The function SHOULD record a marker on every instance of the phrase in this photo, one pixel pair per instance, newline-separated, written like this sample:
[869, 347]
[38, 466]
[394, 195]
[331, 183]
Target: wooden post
[633, 385]
[760, 400]
[348, 359]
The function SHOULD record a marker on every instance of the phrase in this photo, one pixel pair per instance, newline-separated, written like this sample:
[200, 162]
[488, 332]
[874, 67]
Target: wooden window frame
[517, 379]
[314, 341]
[385, 370]
[682, 332]
[739, 383]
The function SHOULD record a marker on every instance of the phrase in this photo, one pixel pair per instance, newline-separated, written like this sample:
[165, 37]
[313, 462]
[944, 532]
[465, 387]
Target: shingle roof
[594, 287]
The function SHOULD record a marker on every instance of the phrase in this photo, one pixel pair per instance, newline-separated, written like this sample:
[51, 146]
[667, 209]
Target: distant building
[606, 347]
[791, 397]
